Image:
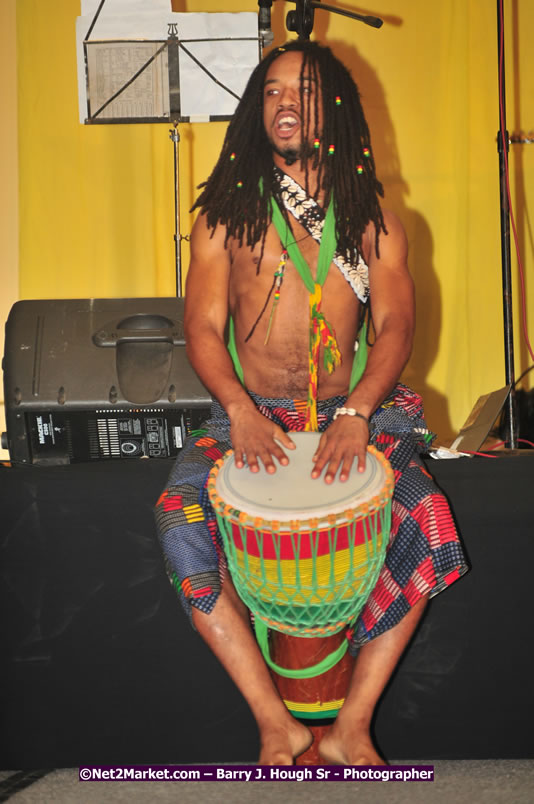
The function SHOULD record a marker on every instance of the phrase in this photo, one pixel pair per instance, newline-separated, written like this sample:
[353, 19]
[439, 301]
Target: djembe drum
[304, 556]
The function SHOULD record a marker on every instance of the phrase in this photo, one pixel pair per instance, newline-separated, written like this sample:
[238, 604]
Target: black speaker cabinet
[93, 379]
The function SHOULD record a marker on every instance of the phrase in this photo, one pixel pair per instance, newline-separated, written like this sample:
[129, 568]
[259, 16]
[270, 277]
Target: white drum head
[290, 493]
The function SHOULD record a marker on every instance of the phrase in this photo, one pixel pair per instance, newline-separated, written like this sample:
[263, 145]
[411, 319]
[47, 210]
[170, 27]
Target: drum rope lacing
[306, 577]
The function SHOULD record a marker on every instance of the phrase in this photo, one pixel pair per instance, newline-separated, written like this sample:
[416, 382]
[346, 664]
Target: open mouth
[286, 124]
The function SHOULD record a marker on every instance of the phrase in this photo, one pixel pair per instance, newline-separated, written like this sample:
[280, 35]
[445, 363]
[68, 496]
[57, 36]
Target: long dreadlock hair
[237, 193]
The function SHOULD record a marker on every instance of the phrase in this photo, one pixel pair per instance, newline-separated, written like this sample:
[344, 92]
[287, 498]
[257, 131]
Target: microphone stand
[301, 20]
[174, 134]
[503, 148]
[175, 137]
[265, 31]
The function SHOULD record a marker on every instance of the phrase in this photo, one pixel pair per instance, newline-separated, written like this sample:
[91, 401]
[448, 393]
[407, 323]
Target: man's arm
[393, 310]
[206, 312]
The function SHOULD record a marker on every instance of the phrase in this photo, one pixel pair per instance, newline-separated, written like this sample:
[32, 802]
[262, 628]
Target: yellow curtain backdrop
[96, 202]
[9, 277]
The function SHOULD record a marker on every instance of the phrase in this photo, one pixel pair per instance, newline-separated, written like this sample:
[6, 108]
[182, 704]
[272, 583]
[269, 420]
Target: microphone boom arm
[374, 22]
[301, 20]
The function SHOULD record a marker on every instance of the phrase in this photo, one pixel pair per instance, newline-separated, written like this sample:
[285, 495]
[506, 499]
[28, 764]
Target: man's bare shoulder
[392, 244]
[207, 238]
[390, 281]
[394, 226]
[208, 272]
[212, 244]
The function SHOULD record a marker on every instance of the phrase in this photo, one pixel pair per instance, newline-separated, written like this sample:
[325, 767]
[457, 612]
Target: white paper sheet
[231, 61]
[114, 63]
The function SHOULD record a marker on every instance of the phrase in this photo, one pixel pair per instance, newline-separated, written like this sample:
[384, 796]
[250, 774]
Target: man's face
[284, 118]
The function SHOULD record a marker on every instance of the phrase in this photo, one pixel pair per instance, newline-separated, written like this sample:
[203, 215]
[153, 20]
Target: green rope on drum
[262, 635]
[306, 609]
[306, 579]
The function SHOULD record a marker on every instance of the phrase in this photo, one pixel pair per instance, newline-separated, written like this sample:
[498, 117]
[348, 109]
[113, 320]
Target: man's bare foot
[281, 745]
[339, 747]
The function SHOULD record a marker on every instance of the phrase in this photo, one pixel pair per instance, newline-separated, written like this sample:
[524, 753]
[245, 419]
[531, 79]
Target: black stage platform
[100, 665]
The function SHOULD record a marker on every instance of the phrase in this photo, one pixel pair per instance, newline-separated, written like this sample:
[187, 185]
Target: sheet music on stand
[157, 65]
[110, 67]
[148, 66]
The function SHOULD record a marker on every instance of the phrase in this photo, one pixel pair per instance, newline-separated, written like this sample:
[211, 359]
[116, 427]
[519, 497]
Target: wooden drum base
[318, 695]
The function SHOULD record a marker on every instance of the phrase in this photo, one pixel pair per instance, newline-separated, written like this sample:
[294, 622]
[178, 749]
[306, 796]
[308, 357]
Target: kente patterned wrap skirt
[424, 555]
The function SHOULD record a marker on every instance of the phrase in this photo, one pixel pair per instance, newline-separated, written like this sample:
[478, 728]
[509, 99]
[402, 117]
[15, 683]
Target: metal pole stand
[503, 145]
[175, 137]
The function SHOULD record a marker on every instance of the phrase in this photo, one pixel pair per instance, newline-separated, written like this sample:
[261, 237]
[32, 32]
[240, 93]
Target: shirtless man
[231, 274]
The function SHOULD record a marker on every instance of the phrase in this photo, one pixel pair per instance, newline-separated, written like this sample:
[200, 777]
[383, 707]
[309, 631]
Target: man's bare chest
[265, 277]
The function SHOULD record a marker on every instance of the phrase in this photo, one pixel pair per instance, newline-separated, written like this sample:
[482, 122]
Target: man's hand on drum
[256, 438]
[344, 440]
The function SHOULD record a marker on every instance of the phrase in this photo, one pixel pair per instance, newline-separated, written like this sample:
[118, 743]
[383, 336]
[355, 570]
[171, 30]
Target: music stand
[191, 76]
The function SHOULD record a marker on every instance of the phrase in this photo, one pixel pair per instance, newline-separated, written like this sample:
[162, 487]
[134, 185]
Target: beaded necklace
[321, 332]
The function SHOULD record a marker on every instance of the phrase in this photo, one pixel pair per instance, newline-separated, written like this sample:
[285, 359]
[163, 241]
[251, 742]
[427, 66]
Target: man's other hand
[346, 439]
[255, 438]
